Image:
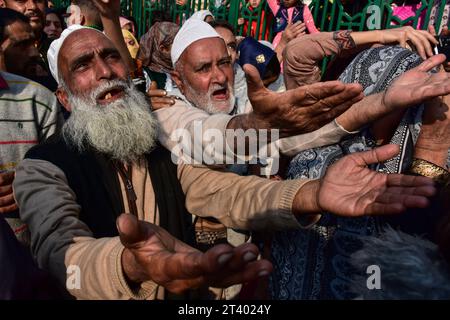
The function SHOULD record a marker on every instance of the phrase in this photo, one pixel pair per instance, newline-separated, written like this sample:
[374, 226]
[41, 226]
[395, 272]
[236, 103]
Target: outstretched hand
[300, 110]
[418, 85]
[151, 253]
[351, 189]
[108, 8]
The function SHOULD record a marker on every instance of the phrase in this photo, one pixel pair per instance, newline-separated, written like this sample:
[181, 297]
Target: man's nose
[103, 70]
[219, 75]
[31, 5]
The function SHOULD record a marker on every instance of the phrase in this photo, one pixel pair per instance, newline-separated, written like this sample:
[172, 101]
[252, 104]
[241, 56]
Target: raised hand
[108, 8]
[153, 254]
[351, 189]
[299, 110]
[417, 85]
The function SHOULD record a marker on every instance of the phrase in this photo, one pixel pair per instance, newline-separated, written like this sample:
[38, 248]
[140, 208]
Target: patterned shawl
[315, 263]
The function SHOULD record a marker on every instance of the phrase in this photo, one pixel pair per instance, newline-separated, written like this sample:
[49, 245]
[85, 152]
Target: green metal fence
[329, 15]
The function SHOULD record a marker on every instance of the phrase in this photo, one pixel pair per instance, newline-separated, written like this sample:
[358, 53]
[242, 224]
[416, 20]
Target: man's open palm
[349, 188]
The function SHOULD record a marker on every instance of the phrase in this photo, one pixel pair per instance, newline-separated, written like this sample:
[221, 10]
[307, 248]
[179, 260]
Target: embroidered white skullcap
[191, 31]
[53, 51]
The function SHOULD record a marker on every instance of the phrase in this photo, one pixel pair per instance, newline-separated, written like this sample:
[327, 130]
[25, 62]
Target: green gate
[329, 15]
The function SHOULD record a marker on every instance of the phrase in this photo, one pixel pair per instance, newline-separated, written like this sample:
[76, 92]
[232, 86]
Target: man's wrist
[306, 200]
[131, 269]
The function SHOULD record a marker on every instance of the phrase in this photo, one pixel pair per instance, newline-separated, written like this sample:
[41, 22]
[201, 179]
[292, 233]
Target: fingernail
[263, 273]
[249, 256]
[224, 258]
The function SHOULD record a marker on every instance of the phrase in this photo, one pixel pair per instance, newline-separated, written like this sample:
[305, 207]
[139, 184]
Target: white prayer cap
[53, 51]
[191, 31]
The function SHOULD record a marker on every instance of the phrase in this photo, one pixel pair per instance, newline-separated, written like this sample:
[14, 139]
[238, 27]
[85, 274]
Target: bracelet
[430, 170]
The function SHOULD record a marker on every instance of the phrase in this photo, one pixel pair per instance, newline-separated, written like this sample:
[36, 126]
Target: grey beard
[205, 103]
[125, 129]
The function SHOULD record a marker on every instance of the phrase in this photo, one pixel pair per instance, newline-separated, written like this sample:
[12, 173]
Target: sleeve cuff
[146, 289]
[291, 189]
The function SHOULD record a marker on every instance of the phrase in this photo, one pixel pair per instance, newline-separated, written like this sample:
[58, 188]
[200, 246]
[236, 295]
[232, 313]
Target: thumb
[153, 85]
[131, 230]
[254, 82]
[432, 62]
[378, 155]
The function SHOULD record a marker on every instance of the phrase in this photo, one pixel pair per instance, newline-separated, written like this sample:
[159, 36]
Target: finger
[341, 100]
[7, 200]
[163, 100]
[418, 44]
[6, 190]
[156, 93]
[315, 92]
[425, 43]
[131, 231]
[251, 271]
[424, 191]
[243, 254]
[432, 30]
[431, 62]
[409, 181]
[6, 178]
[254, 82]
[429, 36]
[376, 155]
[8, 208]
[394, 201]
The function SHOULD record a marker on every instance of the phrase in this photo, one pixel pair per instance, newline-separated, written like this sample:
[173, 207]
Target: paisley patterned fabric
[315, 263]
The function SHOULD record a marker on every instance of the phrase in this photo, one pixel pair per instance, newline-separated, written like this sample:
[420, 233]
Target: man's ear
[177, 79]
[63, 98]
[2, 4]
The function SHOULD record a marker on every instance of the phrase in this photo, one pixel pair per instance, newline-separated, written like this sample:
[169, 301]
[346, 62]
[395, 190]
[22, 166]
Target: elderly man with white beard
[73, 189]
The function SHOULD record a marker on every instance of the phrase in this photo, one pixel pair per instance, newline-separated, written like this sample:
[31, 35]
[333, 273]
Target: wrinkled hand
[417, 85]
[7, 201]
[422, 40]
[153, 254]
[159, 98]
[351, 189]
[108, 8]
[292, 31]
[433, 142]
[299, 110]
[181, 2]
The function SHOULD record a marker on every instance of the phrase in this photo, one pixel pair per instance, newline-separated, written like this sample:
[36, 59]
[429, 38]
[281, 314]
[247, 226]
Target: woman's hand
[422, 40]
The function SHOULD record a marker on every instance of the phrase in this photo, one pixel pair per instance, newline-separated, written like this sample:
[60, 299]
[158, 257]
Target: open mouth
[221, 94]
[111, 95]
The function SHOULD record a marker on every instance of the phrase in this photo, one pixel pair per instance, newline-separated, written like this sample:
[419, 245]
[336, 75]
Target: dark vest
[96, 185]
[282, 18]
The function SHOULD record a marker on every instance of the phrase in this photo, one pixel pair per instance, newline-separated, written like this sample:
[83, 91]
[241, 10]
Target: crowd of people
[107, 190]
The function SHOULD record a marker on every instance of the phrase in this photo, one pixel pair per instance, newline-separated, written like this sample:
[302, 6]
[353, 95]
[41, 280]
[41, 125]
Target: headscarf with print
[160, 34]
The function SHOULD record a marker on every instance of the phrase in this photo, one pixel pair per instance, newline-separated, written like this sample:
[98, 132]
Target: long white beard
[124, 129]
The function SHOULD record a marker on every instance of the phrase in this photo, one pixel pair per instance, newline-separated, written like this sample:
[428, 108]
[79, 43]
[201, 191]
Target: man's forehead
[84, 41]
[206, 48]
